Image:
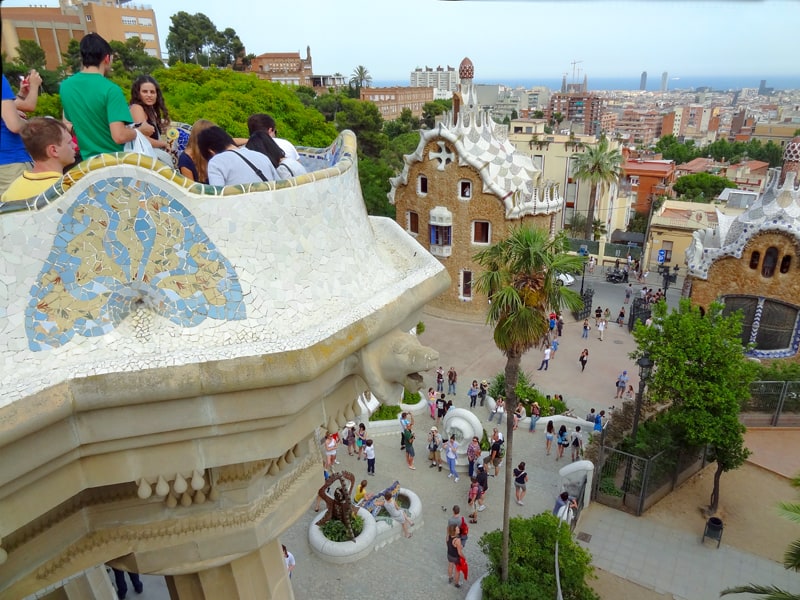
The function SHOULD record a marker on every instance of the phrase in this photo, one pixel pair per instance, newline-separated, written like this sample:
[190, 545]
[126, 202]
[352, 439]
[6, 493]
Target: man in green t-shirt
[95, 106]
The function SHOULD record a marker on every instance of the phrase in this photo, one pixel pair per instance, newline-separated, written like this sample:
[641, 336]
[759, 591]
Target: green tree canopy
[191, 38]
[131, 60]
[701, 187]
[366, 121]
[30, 55]
[701, 369]
[360, 77]
[431, 110]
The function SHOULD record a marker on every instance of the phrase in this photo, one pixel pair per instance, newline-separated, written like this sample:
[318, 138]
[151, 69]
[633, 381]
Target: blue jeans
[439, 386]
[451, 463]
[451, 388]
[534, 420]
[585, 334]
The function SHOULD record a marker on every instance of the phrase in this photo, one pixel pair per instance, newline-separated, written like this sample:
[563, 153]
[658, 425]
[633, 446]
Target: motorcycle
[615, 276]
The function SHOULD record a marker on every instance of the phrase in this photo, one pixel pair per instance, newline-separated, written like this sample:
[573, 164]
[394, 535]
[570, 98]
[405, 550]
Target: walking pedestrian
[598, 313]
[554, 347]
[483, 481]
[369, 452]
[562, 441]
[586, 328]
[455, 555]
[520, 481]
[549, 435]
[330, 450]
[601, 327]
[622, 382]
[441, 408]
[496, 452]
[288, 558]
[473, 453]
[452, 378]
[545, 359]
[577, 443]
[598, 421]
[473, 497]
[621, 316]
[628, 293]
[536, 414]
[583, 359]
[440, 379]
[560, 324]
[482, 391]
[409, 440]
[473, 392]
[350, 437]
[451, 446]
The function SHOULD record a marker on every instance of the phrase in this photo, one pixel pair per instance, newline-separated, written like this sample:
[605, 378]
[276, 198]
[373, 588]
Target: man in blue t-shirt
[95, 106]
[14, 159]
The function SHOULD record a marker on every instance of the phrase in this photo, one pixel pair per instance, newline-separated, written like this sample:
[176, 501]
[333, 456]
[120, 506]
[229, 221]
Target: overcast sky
[512, 39]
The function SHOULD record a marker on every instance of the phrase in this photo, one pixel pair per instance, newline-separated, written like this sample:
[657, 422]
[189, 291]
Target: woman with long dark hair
[147, 105]
[264, 143]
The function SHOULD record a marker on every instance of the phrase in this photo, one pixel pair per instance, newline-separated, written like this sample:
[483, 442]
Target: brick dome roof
[466, 70]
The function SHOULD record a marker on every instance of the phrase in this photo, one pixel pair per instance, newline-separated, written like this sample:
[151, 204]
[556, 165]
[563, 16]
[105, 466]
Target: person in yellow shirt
[49, 143]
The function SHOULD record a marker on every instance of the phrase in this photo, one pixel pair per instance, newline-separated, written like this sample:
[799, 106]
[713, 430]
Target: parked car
[565, 279]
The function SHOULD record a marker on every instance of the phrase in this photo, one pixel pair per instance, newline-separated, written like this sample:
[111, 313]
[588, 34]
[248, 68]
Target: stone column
[92, 584]
[260, 575]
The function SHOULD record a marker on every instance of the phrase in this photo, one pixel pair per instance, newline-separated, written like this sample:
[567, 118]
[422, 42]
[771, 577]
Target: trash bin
[713, 530]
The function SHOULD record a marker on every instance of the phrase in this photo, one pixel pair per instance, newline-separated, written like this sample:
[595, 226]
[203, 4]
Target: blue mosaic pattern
[123, 243]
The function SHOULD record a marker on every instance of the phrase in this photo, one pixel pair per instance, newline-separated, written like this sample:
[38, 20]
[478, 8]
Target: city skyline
[526, 39]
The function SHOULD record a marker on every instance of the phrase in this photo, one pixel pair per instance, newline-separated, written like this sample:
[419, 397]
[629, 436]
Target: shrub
[335, 530]
[531, 567]
[527, 394]
[420, 328]
[385, 413]
[409, 398]
[609, 488]
[779, 370]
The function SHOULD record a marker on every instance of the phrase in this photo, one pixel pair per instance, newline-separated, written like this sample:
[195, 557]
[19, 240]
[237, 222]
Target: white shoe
[482, 508]
[449, 475]
[456, 480]
[336, 462]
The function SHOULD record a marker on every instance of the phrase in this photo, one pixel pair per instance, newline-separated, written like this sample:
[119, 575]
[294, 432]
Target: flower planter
[376, 534]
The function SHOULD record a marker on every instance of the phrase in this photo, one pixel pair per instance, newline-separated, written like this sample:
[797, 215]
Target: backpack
[464, 528]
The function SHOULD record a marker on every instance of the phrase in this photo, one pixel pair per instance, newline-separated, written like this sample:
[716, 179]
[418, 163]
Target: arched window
[770, 261]
[422, 185]
[755, 258]
[786, 263]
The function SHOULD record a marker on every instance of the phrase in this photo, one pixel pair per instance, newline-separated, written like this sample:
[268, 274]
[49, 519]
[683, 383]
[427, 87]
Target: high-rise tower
[664, 78]
[643, 81]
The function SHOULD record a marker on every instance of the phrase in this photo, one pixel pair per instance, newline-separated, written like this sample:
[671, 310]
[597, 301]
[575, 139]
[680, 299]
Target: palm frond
[769, 592]
[790, 510]
[791, 558]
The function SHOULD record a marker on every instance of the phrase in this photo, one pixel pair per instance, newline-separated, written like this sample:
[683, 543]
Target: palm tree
[520, 279]
[361, 77]
[599, 165]
[791, 559]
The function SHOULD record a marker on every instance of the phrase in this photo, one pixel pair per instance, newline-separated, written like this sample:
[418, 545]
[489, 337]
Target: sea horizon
[689, 82]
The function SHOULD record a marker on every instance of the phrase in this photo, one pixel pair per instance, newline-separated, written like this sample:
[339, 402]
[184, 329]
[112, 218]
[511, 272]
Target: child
[370, 454]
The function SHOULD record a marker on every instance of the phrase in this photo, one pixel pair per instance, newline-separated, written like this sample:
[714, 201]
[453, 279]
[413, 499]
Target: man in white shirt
[545, 359]
[230, 165]
[265, 123]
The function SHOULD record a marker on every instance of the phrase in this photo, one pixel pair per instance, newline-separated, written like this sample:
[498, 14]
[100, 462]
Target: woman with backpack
[562, 441]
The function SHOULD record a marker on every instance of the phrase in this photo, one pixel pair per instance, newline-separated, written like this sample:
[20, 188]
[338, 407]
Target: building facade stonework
[752, 263]
[463, 189]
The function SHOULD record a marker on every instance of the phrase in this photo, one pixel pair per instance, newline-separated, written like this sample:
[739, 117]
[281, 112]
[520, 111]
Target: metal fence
[633, 483]
[772, 404]
[640, 311]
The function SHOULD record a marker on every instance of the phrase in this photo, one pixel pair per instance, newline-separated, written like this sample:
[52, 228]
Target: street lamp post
[583, 275]
[645, 368]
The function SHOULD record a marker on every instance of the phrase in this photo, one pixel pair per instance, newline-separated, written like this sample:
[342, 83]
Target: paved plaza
[657, 557]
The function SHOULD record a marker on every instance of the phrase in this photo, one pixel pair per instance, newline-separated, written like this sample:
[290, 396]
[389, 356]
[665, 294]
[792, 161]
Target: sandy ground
[748, 508]
[749, 497]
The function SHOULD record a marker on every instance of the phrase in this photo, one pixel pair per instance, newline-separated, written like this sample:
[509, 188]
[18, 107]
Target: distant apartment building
[780, 133]
[52, 28]
[284, 67]
[583, 109]
[392, 100]
[608, 121]
[554, 155]
[742, 126]
[692, 121]
[439, 78]
[646, 180]
[641, 127]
